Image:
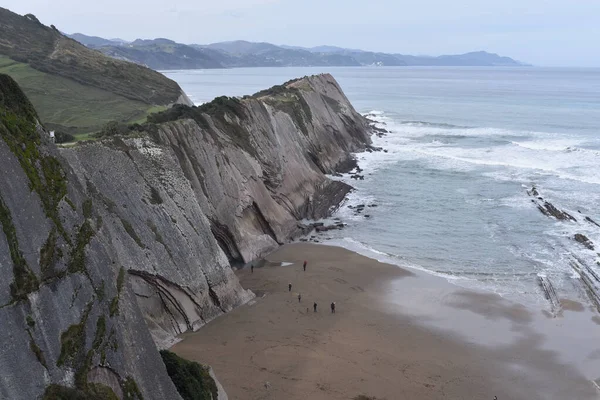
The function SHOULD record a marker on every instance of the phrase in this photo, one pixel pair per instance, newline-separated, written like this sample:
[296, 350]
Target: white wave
[368, 251]
[549, 144]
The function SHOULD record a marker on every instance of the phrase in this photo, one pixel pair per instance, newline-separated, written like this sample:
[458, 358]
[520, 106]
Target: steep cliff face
[100, 237]
[69, 319]
[223, 183]
[257, 168]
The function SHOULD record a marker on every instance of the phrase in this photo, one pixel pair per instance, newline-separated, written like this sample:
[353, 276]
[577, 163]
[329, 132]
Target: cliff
[99, 237]
[220, 184]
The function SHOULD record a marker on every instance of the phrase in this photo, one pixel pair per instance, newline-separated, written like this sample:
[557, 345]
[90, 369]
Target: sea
[464, 145]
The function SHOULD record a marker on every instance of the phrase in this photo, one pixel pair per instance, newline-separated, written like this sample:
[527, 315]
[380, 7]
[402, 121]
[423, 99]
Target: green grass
[65, 104]
[46, 49]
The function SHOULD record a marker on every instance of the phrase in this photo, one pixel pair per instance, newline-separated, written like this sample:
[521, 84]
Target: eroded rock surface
[105, 238]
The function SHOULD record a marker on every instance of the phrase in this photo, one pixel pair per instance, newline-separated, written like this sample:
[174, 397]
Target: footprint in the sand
[357, 289]
[340, 280]
[335, 269]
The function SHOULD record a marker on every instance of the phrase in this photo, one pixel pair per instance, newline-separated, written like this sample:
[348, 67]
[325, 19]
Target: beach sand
[385, 339]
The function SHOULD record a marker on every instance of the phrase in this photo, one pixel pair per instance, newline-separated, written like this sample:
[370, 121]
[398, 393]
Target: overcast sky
[542, 32]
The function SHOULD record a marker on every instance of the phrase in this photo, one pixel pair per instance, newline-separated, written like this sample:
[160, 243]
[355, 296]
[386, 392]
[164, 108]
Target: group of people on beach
[332, 306]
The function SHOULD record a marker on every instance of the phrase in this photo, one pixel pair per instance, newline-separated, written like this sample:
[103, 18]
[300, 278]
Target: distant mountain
[242, 47]
[166, 54]
[478, 58]
[95, 41]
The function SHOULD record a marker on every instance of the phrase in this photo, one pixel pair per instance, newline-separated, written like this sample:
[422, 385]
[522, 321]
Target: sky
[540, 32]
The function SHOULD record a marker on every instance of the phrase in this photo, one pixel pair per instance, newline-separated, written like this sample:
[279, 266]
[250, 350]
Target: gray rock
[167, 214]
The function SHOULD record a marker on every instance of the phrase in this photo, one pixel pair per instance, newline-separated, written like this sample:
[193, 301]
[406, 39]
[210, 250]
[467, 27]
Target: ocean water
[464, 146]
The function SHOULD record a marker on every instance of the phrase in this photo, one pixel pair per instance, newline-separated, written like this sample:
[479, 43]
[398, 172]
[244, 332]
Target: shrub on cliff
[95, 392]
[62, 137]
[192, 380]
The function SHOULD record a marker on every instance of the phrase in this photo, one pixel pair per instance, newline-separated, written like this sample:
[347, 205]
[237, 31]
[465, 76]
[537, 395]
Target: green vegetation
[131, 390]
[87, 208]
[192, 380]
[100, 291]
[70, 203]
[216, 110]
[77, 90]
[62, 137]
[38, 353]
[30, 321]
[77, 257]
[95, 391]
[290, 101]
[114, 304]
[18, 129]
[70, 107]
[101, 392]
[72, 341]
[73, 354]
[121, 279]
[129, 229]
[46, 49]
[50, 253]
[276, 90]
[100, 332]
[25, 280]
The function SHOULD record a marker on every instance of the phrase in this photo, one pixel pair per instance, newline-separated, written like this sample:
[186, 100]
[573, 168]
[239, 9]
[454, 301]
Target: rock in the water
[591, 221]
[584, 240]
[548, 209]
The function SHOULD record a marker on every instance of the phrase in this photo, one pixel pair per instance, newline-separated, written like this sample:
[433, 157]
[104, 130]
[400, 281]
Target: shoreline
[396, 334]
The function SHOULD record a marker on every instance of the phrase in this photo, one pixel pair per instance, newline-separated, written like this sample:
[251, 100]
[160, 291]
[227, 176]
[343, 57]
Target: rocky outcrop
[581, 238]
[100, 237]
[222, 184]
[70, 323]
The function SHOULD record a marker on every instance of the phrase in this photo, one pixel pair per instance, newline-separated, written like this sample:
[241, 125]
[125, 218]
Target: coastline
[396, 334]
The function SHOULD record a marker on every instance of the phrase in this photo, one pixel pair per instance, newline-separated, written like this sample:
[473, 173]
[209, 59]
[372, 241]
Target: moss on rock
[192, 380]
[96, 391]
[24, 280]
[131, 390]
[77, 258]
[72, 341]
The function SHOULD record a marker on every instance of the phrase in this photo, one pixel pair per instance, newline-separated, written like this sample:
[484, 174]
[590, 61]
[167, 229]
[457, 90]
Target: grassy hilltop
[74, 88]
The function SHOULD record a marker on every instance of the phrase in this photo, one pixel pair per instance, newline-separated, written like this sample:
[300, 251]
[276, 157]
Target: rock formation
[99, 237]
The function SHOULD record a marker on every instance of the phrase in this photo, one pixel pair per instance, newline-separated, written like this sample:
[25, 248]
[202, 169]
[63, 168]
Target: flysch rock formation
[112, 248]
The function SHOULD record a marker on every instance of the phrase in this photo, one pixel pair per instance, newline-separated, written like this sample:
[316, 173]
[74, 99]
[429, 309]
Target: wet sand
[395, 335]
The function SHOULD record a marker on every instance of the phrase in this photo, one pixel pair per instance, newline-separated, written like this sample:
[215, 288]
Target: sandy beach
[396, 334]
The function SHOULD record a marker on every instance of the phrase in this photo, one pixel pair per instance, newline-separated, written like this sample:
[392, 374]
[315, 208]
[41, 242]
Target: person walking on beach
[299, 297]
[289, 287]
[333, 307]
[304, 266]
[252, 268]
[315, 307]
